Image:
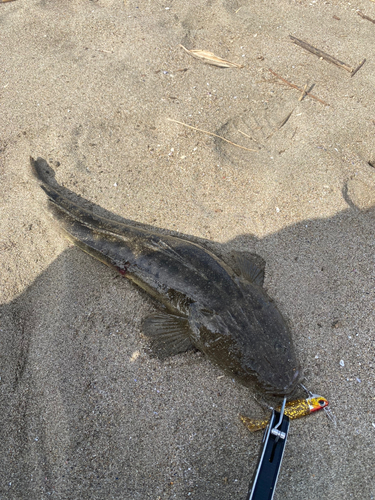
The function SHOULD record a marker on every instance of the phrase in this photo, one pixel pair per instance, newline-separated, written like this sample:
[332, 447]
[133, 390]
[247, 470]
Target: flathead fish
[207, 305]
[293, 409]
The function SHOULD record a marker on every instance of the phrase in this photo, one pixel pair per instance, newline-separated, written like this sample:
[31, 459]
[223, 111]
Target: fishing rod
[263, 483]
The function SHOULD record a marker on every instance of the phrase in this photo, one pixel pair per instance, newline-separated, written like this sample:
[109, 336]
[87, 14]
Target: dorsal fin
[249, 269]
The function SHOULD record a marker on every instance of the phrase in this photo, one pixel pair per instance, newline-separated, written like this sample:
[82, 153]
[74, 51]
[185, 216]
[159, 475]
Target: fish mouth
[289, 389]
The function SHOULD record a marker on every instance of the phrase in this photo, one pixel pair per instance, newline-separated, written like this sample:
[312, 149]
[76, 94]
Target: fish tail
[57, 194]
[62, 204]
[253, 424]
[81, 226]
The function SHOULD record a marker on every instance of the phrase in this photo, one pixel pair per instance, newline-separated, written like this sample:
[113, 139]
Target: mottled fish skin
[229, 318]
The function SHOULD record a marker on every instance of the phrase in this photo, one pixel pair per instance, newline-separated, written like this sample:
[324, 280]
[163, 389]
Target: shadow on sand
[87, 414]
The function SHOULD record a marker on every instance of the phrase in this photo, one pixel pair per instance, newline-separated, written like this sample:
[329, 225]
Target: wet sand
[89, 86]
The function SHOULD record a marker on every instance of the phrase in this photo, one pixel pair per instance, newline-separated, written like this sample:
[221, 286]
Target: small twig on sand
[3, 1]
[280, 125]
[365, 17]
[210, 133]
[297, 88]
[210, 58]
[249, 136]
[103, 50]
[321, 54]
[283, 122]
[358, 67]
[303, 93]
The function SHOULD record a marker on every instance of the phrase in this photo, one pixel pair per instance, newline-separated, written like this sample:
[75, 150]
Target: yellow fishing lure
[293, 409]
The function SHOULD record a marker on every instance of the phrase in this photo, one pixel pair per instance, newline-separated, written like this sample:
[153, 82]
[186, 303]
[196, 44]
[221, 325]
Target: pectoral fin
[168, 334]
[250, 269]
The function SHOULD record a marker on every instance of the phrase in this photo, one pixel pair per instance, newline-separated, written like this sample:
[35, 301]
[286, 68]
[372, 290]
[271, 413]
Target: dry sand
[89, 85]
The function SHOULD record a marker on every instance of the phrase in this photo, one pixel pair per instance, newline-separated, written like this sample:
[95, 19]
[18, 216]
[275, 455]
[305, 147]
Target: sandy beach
[91, 86]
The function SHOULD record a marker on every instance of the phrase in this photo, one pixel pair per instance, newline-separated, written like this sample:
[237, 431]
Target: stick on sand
[322, 54]
[365, 17]
[210, 133]
[296, 87]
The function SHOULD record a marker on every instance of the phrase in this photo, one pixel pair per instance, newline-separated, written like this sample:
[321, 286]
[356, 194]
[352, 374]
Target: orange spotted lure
[293, 409]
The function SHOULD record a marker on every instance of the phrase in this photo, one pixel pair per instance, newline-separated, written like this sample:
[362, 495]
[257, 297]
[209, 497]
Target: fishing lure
[293, 409]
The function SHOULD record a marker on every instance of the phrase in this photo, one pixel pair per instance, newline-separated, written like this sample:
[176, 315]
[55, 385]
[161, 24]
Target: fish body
[229, 317]
[293, 409]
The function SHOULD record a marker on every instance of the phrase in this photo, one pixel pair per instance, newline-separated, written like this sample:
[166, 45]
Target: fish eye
[321, 402]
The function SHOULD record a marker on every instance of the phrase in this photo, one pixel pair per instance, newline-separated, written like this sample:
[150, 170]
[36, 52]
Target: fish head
[277, 372]
[277, 367]
[269, 347]
[250, 341]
